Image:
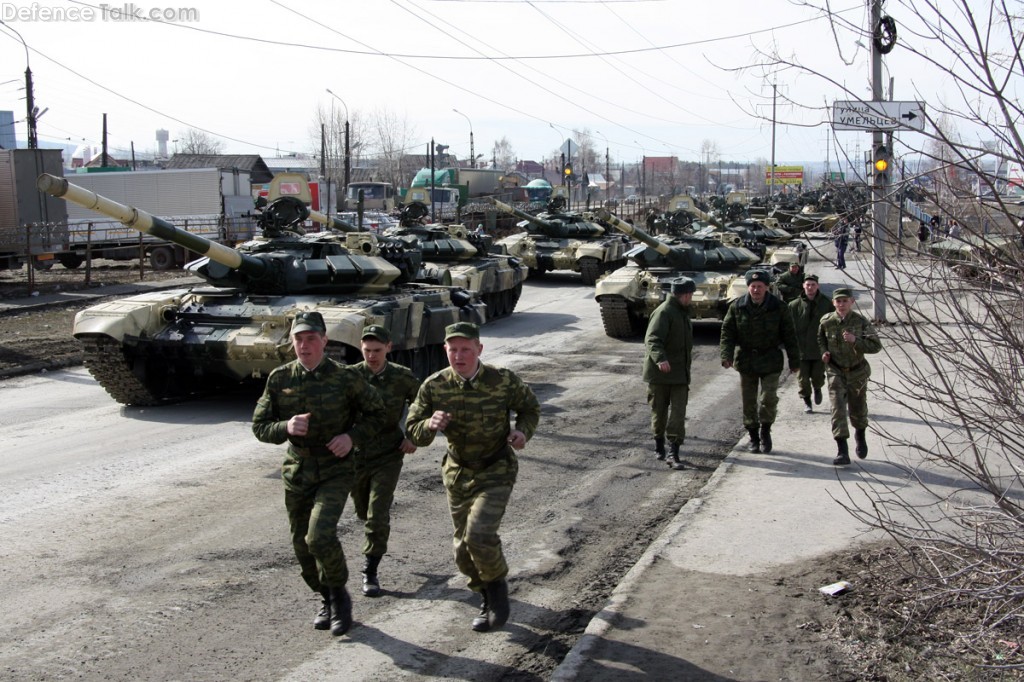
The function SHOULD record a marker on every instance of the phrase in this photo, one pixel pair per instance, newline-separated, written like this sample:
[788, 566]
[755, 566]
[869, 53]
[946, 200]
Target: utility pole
[771, 188]
[879, 212]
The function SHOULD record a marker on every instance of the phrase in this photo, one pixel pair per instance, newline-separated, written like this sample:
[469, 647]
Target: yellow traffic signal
[881, 165]
[882, 161]
[567, 170]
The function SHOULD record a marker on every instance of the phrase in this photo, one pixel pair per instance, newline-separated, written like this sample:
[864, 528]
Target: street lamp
[607, 167]
[472, 151]
[643, 178]
[348, 163]
[30, 104]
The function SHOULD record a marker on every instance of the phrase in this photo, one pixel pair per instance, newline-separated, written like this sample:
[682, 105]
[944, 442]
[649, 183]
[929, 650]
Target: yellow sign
[785, 175]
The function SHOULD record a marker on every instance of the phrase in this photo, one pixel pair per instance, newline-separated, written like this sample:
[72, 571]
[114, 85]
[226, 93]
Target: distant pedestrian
[841, 241]
[922, 236]
[858, 234]
[790, 283]
[669, 343]
[844, 337]
[954, 229]
[807, 311]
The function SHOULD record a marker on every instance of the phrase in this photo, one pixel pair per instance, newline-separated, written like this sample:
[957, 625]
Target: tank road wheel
[619, 323]
[70, 260]
[128, 380]
[514, 295]
[161, 258]
[590, 270]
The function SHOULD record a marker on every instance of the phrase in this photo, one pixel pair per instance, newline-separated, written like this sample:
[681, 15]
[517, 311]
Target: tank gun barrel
[532, 219]
[149, 224]
[633, 231]
[333, 222]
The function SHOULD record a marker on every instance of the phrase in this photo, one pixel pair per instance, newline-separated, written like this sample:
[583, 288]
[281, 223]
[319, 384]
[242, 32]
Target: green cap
[309, 321]
[810, 276]
[842, 292]
[466, 330]
[375, 331]
[757, 276]
[683, 285]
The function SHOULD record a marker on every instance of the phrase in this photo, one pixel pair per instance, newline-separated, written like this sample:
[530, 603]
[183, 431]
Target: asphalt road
[152, 543]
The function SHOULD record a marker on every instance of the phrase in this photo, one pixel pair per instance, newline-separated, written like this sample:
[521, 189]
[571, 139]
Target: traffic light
[882, 165]
[567, 171]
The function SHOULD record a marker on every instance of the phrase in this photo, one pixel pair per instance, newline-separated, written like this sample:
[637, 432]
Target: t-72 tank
[164, 346]
[630, 294]
[452, 255]
[556, 240]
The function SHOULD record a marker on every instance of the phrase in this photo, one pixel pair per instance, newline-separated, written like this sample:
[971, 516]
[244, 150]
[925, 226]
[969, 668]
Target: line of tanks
[414, 279]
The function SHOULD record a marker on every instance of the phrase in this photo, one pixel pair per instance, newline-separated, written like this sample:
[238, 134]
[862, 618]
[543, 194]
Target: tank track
[108, 363]
[617, 320]
[502, 303]
[590, 270]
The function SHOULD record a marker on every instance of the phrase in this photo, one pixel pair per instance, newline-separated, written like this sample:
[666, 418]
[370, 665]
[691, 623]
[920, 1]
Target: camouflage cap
[758, 276]
[375, 331]
[466, 330]
[794, 264]
[309, 321]
[809, 276]
[683, 285]
[842, 292]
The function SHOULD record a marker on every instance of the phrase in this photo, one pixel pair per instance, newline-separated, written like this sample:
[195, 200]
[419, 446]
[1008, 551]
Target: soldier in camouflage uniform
[669, 342]
[323, 410]
[807, 311]
[471, 403]
[790, 283]
[379, 461]
[844, 337]
[753, 329]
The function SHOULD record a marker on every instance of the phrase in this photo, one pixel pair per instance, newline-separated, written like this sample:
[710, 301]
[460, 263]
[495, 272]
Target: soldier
[669, 342]
[471, 403]
[807, 311]
[379, 461]
[790, 282]
[323, 409]
[753, 329]
[843, 338]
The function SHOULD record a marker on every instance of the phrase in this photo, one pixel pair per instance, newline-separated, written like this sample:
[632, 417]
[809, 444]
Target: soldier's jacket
[480, 408]
[806, 319]
[339, 401]
[790, 285]
[669, 337]
[752, 334]
[397, 386]
[848, 357]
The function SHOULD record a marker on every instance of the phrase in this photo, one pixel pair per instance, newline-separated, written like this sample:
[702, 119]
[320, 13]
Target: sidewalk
[758, 513]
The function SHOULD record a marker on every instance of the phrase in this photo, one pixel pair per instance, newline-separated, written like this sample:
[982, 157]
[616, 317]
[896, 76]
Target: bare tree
[194, 141]
[393, 137]
[330, 121]
[503, 156]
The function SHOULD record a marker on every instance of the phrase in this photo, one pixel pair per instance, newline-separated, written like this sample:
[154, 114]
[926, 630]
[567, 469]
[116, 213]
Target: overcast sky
[645, 77]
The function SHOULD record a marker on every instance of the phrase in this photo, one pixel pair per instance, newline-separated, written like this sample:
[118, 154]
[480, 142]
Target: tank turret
[167, 345]
[556, 240]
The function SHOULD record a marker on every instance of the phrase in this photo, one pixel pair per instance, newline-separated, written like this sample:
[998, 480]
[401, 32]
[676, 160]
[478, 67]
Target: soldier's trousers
[668, 410]
[476, 512]
[314, 507]
[760, 395]
[812, 373]
[849, 395]
[372, 495]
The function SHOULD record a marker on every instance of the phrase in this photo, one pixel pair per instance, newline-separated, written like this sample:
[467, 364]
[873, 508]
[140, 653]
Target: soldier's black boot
[817, 395]
[673, 456]
[843, 457]
[755, 440]
[323, 619]
[497, 602]
[766, 438]
[807, 406]
[480, 623]
[371, 586]
[341, 611]
[659, 447]
[860, 437]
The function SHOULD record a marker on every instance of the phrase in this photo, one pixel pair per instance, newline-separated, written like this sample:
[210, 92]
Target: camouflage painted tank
[556, 240]
[453, 255]
[630, 294]
[164, 346]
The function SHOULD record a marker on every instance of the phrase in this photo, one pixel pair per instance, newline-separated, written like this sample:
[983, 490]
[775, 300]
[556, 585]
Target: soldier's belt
[854, 368]
[479, 464]
[315, 451]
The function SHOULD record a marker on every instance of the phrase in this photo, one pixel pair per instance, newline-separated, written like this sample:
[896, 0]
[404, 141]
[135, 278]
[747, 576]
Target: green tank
[628, 295]
[453, 255]
[557, 240]
[166, 346]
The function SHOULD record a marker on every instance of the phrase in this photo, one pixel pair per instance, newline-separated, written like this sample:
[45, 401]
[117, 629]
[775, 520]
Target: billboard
[785, 175]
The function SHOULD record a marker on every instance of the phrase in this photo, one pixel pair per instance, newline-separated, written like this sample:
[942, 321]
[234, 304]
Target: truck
[33, 228]
[212, 203]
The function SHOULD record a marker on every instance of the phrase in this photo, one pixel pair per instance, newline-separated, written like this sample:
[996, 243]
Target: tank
[557, 240]
[166, 346]
[628, 295]
[454, 256]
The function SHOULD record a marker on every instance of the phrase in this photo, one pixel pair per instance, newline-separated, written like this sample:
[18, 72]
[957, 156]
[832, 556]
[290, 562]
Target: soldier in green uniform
[790, 283]
[323, 409]
[379, 461]
[844, 337]
[471, 403]
[807, 311]
[669, 343]
[754, 327]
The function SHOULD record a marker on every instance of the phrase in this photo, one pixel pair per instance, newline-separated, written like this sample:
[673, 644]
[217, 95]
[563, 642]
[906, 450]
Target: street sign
[878, 115]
